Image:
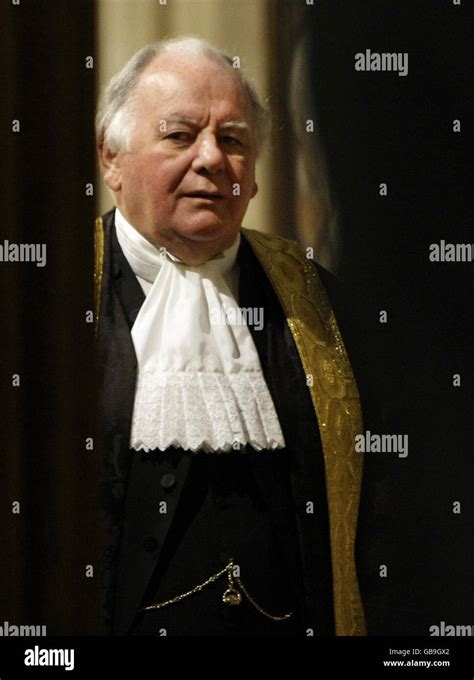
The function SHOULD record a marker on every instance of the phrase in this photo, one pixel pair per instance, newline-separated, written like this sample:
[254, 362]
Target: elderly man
[232, 484]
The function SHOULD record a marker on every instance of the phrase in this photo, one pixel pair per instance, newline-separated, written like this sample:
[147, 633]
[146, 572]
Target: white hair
[115, 117]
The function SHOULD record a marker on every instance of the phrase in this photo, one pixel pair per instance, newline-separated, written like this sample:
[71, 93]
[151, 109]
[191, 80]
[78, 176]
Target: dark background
[375, 127]
[380, 127]
[45, 337]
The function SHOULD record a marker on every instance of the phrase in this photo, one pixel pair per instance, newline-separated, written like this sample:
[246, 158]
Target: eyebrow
[229, 125]
[234, 125]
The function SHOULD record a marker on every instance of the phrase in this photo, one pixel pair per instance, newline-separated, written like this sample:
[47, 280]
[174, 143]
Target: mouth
[204, 195]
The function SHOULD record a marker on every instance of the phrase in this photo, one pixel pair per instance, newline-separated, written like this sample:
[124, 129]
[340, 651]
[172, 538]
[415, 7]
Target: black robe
[149, 553]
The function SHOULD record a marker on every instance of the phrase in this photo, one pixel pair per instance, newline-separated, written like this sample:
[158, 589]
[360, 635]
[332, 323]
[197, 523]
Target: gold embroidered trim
[99, 246]
[336, 403]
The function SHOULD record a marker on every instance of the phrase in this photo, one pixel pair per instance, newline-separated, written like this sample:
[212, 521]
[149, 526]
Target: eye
[231, 141]
[179, 136]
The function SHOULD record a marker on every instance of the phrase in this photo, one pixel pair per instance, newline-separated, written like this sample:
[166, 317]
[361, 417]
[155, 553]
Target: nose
[209, 155]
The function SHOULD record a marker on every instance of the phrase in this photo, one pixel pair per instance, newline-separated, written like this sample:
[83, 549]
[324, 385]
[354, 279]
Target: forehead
[195, 86]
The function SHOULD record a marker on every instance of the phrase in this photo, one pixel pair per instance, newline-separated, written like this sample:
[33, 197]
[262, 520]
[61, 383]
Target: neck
[189, 251]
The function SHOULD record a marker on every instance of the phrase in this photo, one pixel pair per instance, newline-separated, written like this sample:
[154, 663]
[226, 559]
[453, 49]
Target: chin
[208, 232]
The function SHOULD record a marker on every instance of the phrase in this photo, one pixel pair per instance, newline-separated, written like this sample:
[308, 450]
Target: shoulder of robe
[106, 219]
[357, 318]
[271, 241]
[287, 246]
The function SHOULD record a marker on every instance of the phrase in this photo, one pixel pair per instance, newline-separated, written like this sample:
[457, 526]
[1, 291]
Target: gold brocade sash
[334, 395]
[336, 403]
[99, 248]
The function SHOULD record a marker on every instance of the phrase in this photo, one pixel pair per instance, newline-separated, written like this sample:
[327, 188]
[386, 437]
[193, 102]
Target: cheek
[243, 171]
[246, 179]
[156, 176]
[132, 175]
[141, 183]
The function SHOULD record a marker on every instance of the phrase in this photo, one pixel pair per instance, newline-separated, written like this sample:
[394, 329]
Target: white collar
[145, 259]
[199, 383]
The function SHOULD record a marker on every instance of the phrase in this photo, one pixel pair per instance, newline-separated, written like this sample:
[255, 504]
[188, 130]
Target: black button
[168, 481]
[150, 544]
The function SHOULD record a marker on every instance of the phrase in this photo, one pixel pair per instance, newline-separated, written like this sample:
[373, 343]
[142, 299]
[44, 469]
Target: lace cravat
[200, 384]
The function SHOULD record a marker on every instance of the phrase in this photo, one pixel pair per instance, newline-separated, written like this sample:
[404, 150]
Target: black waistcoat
[223, 512]
[175, 518]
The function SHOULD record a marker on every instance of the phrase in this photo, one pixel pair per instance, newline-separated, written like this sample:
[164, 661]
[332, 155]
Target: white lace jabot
[200, 384]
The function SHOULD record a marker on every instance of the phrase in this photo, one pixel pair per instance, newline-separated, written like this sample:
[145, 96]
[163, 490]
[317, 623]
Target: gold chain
[198, 588]
[231, 596]
[284, 617]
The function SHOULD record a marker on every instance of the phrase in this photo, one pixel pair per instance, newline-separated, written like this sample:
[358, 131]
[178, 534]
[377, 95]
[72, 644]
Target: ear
[110, 167]
[254, 190]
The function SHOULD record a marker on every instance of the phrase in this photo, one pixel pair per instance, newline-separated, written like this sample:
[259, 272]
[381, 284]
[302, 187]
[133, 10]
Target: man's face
[190, 174]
